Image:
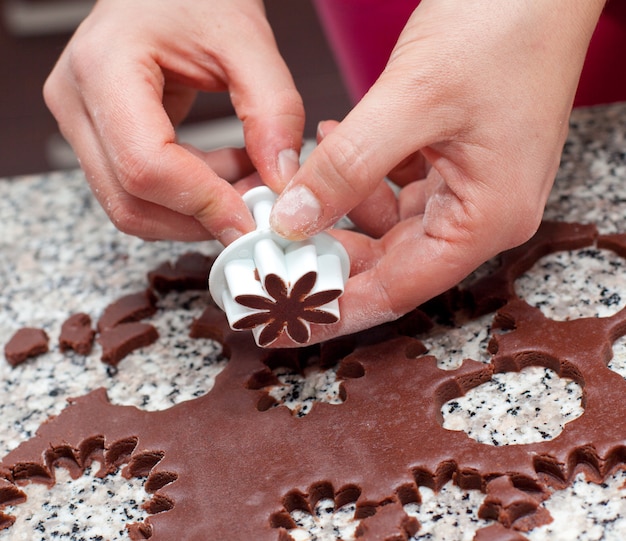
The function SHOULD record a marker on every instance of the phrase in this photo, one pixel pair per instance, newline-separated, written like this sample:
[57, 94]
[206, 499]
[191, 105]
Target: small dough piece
[124, 338]
[190, 272]
[131, 307]
[26, 342]
[77, 334]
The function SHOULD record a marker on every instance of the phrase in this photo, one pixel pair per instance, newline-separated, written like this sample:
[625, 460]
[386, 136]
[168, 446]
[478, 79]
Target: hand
[470, 116]
[130, 74]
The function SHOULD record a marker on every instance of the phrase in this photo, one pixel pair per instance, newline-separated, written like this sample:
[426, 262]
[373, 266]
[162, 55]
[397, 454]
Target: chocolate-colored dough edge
[222, 467]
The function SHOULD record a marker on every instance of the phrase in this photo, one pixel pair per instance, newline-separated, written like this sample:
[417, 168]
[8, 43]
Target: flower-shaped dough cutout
[325, 522]
[440, 521]
[300, 378]
[288, 309]
[571, 284]
[572, 510]
[74, 509]
[324, 513]
[85, 476]
[521, 409]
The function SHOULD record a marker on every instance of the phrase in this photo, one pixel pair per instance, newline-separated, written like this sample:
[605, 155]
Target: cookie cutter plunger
[271, 285]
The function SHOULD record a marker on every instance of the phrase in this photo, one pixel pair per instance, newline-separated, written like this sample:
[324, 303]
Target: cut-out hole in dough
[586, 511]
[191, 364]
[326, 523]
[299, 392]
[618, 361]
[83, 509]
[449, 515]
[516, 407]
[468, 340]
[574, 284]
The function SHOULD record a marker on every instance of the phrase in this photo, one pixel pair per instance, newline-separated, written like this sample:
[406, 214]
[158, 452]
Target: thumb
[348, 164]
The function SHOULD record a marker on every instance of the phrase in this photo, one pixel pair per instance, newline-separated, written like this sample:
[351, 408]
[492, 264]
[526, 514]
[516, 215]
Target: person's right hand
[130, 74]
[469, 118]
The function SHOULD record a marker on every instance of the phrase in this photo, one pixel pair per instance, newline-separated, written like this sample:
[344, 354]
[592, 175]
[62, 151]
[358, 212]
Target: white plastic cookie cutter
[272, 285]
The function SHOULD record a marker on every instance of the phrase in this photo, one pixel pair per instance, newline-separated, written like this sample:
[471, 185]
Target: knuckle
[125, 216]
[208, 212]
[52, 93]
[84, 49]
[344, 166]
[291, 103]
[284, 106]
[135, 171]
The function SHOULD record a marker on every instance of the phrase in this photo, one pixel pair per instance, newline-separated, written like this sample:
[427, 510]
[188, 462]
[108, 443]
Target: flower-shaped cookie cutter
[271, 285]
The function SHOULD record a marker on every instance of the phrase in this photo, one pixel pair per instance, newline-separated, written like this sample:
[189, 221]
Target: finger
[139, 142]
[266, 99]
[128, 213]
[413, 197]
[413, 168]
[379, 212]
[348, 164]
[247, 183]
[424, 256]
[412, 200]
[411, 270]
[231, 164]
[177, 101]
[324, 127]
[364, 251]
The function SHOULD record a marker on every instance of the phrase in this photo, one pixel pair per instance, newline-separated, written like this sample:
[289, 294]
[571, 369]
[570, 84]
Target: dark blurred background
[34, 32]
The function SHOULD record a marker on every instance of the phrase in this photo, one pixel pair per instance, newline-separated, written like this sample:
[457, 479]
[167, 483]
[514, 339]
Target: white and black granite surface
[59, 255]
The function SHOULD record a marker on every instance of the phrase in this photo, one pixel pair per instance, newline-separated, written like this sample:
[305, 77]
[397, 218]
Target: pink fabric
[362, 34]
[603, 79]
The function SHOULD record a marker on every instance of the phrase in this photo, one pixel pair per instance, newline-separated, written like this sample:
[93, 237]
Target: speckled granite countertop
[60, 255]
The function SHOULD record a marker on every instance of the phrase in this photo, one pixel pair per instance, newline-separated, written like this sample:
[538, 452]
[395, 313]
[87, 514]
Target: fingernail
[229, 235]
[320, 131]
[288, 164]
[296, 213]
